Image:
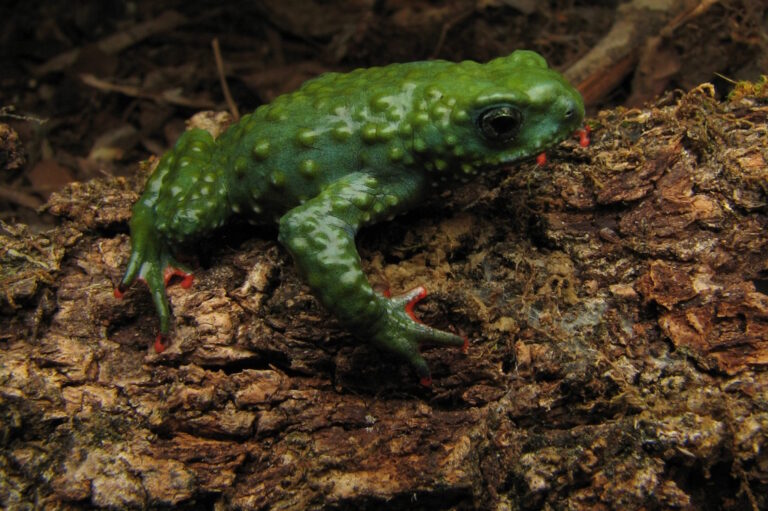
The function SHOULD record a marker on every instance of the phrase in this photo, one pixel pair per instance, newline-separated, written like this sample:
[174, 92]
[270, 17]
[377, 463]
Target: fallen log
[614, 299]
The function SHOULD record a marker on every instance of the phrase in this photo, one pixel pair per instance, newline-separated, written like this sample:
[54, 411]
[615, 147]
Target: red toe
[159, 344]
[583, 136]
[171, 272]
[187, 282]
[422, 292]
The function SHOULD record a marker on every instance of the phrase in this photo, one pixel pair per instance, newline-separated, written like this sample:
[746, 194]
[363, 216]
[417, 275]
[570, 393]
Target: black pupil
[504, 124]
[500, 124]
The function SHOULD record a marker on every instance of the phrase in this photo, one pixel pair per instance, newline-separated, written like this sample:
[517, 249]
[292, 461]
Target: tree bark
[614, 299]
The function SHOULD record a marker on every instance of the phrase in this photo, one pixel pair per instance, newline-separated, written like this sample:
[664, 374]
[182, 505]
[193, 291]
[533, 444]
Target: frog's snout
[573, 111]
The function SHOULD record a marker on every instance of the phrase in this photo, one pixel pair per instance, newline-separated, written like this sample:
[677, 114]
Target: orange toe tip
[186, 278]
[426, 381]
[187, 282]
[422, 292]
[465, 346]
[583, 136]
[159, 344]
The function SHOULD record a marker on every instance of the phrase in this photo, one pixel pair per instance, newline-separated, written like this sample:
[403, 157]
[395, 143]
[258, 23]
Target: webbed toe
[403, 332]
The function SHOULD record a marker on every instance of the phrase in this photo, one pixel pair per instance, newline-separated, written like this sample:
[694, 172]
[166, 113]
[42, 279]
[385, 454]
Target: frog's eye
[500, 123]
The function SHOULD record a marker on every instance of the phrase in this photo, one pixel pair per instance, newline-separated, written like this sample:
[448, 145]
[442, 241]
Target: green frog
[342, 152]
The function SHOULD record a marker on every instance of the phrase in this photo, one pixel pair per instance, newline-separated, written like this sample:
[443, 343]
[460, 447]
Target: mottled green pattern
[345, 151]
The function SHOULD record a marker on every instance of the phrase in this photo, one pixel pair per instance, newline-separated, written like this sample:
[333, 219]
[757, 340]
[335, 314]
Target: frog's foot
[168, 274]
[153, 263]
[403, 332]
[583, 135]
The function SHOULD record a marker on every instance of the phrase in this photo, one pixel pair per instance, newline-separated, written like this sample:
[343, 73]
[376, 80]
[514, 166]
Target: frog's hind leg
[320, 235]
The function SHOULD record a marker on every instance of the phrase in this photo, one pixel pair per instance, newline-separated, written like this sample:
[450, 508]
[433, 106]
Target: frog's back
[285, 152]
[413, 115]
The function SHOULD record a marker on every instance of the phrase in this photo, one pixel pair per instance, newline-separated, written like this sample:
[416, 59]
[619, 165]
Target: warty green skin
[342, 152]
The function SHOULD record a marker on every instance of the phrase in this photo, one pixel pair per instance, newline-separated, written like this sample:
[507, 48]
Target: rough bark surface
[619, 345]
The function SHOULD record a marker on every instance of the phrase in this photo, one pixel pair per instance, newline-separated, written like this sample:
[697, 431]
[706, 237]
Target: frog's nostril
[573, 112]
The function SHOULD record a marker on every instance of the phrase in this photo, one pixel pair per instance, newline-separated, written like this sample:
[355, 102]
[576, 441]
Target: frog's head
[510, 108]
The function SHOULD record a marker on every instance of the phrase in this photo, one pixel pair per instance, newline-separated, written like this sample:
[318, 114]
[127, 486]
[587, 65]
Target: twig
[7, 111]
[615, 56]
[223, 79]
[171, 96]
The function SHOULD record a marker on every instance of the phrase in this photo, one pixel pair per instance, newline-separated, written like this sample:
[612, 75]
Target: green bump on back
[241, 164]
[395, 153]
[369, 133]
[308, 168]
[342, 133]
[277, 178]
[261, 149]
[379, 103]
[306, 137]
[420, 119]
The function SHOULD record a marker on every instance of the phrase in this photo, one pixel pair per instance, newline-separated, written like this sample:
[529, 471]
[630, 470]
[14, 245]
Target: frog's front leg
[152, 262]
[320, 234]
[185, 197]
